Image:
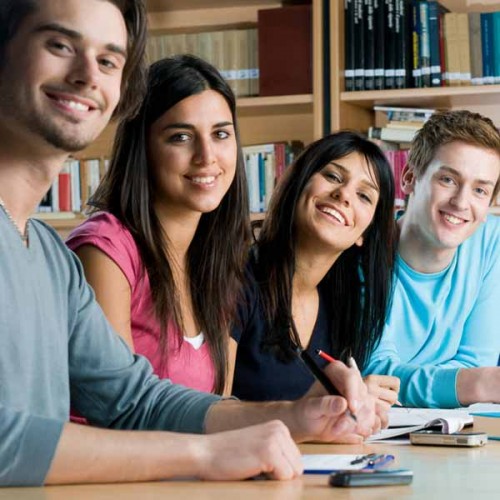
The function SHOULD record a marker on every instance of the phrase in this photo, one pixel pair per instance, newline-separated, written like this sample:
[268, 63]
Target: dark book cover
[435, 10]
[390, 45]
[349, 45]
[285, 50]
[369, 41]
[487, 46]
[403, 45]
[417, 72]
[378, 30]
[359, 46]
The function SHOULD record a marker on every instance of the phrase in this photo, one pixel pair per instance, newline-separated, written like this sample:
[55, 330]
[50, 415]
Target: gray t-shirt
[56, 346]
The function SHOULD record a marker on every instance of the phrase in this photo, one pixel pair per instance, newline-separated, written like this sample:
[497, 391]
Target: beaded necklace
[23, 235]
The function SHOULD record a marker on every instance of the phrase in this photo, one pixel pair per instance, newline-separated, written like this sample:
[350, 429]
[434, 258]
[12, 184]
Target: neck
[25, 177]
[415, 249]
[179, 229]
[311, 266]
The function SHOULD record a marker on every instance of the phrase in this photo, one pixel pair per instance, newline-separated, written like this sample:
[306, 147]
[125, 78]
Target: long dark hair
[14, 12]
[358, 286]
[216, 256]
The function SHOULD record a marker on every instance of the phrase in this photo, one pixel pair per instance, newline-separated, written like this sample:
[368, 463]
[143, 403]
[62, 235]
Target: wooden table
[439, 473]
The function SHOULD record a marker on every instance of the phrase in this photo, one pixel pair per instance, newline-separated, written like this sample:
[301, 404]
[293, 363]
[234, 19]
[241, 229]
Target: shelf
[63, 223]
[302, 103]
[436, 97]
[495, 210]
[165, 5]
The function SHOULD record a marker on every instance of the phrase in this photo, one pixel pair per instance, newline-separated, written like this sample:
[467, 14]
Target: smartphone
[437, 438]
[376, 477]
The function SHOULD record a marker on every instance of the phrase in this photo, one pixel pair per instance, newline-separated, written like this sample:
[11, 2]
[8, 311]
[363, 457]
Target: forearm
[89, 455]
[478, 385]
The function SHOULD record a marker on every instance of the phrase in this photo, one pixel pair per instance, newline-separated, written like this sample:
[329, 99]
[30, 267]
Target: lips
[334, 213]
[73, 102]
[453, 219]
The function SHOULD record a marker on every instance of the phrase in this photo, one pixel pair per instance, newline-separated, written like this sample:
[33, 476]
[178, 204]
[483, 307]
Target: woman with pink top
[166, 245]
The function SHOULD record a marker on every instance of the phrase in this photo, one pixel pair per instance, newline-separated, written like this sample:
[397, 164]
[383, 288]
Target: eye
[446, 179]
[333, 177]
[222, 134]
[109, 63]
[481, 191]
[179, 137]
[59, 46]
[365, 198]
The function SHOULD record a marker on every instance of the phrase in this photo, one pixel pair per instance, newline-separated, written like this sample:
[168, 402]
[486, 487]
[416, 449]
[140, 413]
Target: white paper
[331, 462]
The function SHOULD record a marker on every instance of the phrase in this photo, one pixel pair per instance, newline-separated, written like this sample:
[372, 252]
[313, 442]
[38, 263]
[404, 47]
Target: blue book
[487, 46]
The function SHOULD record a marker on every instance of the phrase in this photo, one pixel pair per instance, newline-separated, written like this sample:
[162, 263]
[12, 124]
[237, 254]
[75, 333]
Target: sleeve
[24, 438]
[435, 385]
[114, 388]
[107, 234]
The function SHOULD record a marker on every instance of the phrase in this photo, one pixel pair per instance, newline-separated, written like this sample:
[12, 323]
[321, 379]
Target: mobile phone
[437, 438]
[376, 477]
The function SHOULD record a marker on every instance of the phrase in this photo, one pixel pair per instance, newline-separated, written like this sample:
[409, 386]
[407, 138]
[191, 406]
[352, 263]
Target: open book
[402, 421]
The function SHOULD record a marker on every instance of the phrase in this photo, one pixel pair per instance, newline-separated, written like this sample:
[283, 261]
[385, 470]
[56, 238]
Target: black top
[259, 374]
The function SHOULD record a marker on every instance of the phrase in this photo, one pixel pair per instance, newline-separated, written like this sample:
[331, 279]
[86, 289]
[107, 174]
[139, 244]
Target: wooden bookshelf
[354, 109]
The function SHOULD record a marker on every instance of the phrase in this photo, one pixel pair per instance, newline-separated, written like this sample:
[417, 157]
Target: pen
[321, 377]
[363, 458]
[325, 356]
[379, 461]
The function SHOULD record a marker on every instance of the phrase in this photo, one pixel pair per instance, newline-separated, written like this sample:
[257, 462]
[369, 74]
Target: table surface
[439, 472]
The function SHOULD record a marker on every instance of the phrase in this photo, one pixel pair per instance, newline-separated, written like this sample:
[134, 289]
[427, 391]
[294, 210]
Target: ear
[408, 179]
[359, 241]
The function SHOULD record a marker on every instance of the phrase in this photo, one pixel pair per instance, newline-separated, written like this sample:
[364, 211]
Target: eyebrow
[190, 126]
[75, 35]
[458, 174]
[365, 182]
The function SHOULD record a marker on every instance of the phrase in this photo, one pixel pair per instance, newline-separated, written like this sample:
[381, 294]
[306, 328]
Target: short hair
[14, 12]
[452, 126]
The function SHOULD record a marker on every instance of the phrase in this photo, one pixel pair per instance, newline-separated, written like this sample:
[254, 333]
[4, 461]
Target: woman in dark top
[320, 272]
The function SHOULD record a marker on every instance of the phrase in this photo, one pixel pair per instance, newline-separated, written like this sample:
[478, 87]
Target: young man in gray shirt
[66, 66]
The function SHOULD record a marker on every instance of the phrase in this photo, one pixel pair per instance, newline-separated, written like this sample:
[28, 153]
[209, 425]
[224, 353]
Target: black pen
[321, 377]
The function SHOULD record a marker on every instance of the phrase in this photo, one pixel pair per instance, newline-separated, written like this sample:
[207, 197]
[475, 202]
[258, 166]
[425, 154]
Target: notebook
[402, 421]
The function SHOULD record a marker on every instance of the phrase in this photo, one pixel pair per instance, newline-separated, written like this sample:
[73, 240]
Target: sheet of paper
[327, 463]
[406, 417]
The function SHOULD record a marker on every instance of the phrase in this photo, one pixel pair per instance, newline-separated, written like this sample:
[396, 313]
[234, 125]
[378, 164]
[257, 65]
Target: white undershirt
[197, 341]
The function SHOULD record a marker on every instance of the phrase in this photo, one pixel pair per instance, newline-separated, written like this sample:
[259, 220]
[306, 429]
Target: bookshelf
[355, 109]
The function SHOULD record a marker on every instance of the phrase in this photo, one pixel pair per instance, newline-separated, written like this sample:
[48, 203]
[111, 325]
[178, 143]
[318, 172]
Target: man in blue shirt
[441, 337]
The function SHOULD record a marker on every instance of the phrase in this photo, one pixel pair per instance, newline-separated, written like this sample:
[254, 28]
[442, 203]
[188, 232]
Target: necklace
[23, 235]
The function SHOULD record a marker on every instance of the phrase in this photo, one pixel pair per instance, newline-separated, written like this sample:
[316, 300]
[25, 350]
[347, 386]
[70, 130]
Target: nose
[84, 72]
[342, 195]
[204, 154]
[459, 198]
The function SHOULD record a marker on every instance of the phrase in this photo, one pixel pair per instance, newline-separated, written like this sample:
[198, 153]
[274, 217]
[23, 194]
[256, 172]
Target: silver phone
[437, 438]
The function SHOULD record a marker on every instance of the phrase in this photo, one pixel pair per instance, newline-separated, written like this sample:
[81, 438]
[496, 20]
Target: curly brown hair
[452, 126]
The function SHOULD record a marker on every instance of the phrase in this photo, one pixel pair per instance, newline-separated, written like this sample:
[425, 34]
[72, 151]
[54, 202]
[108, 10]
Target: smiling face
[61, 79]
[193, 151]
[451, 199]
[338, 204]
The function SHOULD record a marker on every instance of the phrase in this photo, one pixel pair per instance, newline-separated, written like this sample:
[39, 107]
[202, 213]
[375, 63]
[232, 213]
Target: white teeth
[336, 215]
[452, 219]
[74, 105]
[203, 180]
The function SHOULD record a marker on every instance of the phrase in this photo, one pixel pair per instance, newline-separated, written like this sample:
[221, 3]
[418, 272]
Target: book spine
[425, 46]
[369, 50]
[391, 134]
[359, 56]
[417, 72]
[436, 76]
[64, 188]
[476, 52]
[464, 48]
[378, 30]
[487, 46]
[390, 46]
[349, 45]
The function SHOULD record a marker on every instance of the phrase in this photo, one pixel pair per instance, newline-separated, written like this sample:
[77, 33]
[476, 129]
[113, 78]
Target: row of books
[392, 44]
[264, 165]
[71, 190]
[233, 52]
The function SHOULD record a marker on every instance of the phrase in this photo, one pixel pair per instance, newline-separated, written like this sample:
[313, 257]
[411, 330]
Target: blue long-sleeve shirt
[441, 322]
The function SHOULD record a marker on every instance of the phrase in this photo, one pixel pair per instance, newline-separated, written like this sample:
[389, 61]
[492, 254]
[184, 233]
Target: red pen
[324, 355]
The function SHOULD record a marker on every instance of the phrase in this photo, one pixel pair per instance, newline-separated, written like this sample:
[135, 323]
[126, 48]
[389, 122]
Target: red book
[285, 50]
[65, 190]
